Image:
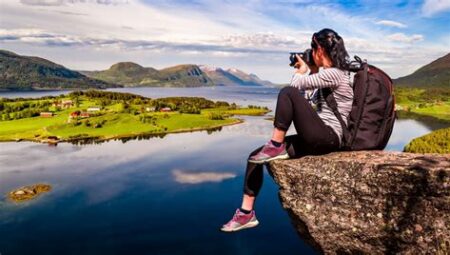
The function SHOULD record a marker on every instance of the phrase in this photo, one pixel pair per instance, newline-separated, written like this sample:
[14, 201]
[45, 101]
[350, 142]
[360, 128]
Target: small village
[106, 115]
[90, 111]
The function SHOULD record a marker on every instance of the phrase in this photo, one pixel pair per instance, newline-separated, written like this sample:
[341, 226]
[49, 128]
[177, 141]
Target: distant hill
[33, 73]
[435, 74]
[233, 77]
[133, 75]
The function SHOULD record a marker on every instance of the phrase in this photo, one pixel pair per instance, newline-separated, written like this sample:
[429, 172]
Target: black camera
[306, 56]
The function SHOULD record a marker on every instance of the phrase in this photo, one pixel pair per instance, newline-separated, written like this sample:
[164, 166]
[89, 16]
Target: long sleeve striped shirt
[340, 83]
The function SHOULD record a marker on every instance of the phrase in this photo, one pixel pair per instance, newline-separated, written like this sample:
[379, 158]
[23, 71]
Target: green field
[434, 102]
[117, 118]
[422, 103]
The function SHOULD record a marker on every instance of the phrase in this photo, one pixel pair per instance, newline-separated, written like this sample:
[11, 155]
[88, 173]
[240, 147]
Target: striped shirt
[340, 83]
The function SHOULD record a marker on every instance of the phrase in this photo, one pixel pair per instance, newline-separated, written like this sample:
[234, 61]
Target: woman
[318, 129]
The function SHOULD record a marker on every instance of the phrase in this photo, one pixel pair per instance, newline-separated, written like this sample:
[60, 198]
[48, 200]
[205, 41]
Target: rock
[28, 192]
[19, 192]
[368, 202]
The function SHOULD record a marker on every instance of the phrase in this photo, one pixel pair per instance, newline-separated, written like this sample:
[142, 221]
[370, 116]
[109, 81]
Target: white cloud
[266, 40]
[390, 23]
[63, 2]
[431, 7]
[401, 37]
[200, 177]
[235, 45]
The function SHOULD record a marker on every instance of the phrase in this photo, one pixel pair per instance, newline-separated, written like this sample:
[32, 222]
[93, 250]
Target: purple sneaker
[240, 221]
[268, 153]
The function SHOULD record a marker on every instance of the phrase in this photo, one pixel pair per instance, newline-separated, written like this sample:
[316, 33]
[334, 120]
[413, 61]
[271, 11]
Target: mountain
[233, 77]
[185, 76]
[435, 74]
[133, 75]
[28, 73]
[126, 73]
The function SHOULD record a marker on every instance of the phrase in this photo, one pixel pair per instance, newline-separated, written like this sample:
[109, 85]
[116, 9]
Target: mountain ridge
[131, 74]
[18, 72]
[434, 74]
[233, 77]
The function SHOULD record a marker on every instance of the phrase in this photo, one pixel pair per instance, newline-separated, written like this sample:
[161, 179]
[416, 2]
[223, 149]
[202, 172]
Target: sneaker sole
[262, 161]
[248, 225]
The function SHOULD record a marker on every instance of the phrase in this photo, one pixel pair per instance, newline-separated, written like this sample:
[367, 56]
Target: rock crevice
[368, 202]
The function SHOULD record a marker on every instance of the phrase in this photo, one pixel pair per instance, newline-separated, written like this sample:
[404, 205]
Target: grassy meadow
[432, 102]
[118, 117]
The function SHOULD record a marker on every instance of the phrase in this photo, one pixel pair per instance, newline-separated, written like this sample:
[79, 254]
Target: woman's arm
[326, 78]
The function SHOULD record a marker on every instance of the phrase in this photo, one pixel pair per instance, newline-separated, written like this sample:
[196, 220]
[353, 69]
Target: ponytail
[333, 45]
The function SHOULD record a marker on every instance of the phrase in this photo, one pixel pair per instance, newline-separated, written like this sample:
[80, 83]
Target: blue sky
[255, 35]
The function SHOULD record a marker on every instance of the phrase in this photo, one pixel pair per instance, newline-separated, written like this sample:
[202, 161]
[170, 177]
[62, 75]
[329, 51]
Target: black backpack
[372, 116]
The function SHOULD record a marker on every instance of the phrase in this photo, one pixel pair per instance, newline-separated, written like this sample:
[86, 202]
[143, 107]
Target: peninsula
[103, 115]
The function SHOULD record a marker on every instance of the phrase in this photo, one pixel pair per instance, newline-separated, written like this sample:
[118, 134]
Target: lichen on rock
[368, 202]
[29, 192]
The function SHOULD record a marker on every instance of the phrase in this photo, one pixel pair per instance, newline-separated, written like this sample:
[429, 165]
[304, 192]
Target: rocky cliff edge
[368, 202]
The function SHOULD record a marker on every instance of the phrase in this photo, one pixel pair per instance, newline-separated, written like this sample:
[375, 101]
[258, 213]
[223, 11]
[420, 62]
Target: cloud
[200, 177]
[258, 44]
[401, 37]
[390, 23]
[263, 40]
[431, 7]
[64, 2]
[71, 13]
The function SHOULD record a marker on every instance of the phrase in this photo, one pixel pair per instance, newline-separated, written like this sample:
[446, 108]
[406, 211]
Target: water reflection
[187, 177]
[404, 131]
[150, 194]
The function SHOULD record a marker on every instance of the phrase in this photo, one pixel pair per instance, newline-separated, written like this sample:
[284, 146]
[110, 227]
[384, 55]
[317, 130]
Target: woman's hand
[301, 66]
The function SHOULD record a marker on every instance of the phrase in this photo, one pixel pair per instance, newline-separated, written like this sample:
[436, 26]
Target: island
[29, 192]
[103, 115]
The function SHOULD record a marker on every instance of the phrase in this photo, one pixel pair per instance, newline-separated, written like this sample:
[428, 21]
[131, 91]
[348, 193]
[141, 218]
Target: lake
[165, 195]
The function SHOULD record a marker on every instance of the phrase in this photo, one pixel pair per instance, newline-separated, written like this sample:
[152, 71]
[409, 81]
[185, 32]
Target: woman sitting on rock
[318, 129]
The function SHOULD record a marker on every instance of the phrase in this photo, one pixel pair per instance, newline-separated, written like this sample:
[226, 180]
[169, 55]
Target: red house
[75, 114]
[165, 109]
[46, 114]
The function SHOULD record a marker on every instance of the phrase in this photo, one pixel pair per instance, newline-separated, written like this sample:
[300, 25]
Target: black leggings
[313, 136]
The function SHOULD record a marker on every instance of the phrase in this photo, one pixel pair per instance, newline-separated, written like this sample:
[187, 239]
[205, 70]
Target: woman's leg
[245, 217]
[254, 173]
[293, 107]
[253, 181]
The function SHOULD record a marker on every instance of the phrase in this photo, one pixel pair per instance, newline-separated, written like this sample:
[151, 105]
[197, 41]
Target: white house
[93, 109]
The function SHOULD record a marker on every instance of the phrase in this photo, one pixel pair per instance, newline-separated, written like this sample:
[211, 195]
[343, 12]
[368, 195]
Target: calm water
[158, 196]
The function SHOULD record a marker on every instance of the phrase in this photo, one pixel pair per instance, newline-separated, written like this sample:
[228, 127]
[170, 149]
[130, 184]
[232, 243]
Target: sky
[255, 36]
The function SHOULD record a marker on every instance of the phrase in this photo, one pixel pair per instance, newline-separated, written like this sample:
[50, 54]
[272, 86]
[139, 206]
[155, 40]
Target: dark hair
[333, 45]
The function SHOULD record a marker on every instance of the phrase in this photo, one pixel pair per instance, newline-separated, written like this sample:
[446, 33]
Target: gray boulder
[368, 202]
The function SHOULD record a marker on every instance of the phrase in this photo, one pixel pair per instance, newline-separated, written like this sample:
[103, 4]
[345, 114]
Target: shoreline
[124, 136]
[401, 114]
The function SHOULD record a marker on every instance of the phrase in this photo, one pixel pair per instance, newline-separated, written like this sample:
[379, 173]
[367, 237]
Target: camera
[306, 56]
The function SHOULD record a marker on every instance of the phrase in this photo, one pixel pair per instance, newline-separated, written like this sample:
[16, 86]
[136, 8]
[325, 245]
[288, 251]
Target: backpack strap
[331, 102]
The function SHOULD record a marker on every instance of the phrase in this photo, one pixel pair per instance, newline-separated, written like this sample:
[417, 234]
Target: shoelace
[235, 216]
[234, 219]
